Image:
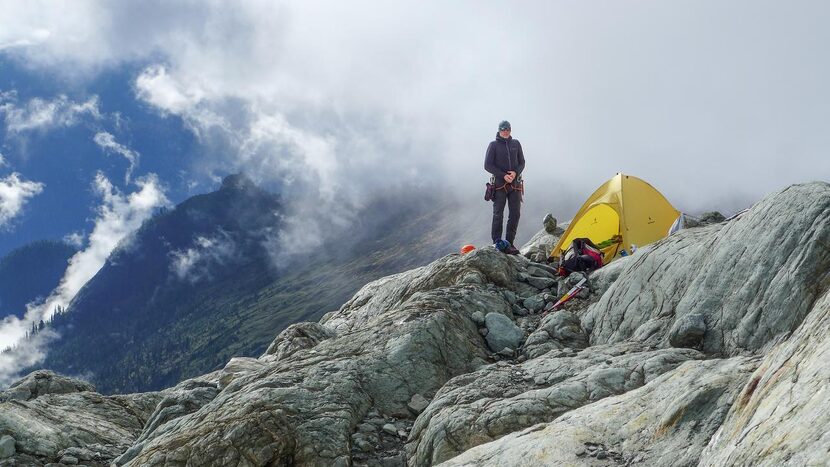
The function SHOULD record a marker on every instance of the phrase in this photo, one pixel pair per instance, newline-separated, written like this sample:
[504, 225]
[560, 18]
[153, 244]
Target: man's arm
[490, 163]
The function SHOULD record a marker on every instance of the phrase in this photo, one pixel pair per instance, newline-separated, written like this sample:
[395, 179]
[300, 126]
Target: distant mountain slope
[29, 272]
[196, 285]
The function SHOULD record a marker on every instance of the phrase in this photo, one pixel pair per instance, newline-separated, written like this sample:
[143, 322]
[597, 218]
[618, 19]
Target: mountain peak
[238, 181]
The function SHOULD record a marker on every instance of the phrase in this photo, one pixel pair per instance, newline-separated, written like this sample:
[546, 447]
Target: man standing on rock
[506, 161]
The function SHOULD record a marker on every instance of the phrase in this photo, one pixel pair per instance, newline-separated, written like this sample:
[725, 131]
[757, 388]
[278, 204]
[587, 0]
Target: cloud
[41, 114]
[157, 87]
[25, 39]
[118, 216]
[412, 91]
[75, 239]
[23, 355]
[195, 263]
[15, 192]
[51, 32]
[108, 143]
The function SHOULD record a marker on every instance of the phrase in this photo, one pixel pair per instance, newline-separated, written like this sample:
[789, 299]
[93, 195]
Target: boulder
[6, 447]
[541, 283]
[688, 331]
[51, 426]
[500, 399]
[557, 330]
[298, 336]
[42, 382]
[550, 224]
[565, 284]
[542, 270]
[534, 303]
[418, 403]
[375, 298]
[711, 217]
[502, 332]
[539, 247]
[69, 460]
[668, 421]
[186, 398]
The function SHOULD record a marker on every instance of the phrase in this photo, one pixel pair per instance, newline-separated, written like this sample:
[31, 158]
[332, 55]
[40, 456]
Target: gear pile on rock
[710, 347]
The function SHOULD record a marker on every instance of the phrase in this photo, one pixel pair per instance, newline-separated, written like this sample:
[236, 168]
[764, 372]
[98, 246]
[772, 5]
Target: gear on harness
[491, 188]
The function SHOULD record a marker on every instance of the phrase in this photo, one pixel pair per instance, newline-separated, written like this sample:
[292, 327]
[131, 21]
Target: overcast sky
[716, 103]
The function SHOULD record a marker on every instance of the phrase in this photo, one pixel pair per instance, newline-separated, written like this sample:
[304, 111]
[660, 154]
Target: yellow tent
[624, 211]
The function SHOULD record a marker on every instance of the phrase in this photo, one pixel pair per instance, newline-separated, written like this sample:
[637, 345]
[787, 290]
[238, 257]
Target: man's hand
[510, 176]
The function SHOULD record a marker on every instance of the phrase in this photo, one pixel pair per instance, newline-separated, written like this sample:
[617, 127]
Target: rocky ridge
[706, 348]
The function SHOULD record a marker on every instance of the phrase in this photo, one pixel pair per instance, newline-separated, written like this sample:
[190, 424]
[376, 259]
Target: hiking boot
[511, 250]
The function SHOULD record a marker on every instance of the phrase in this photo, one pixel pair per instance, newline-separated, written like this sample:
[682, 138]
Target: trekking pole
[569, 295]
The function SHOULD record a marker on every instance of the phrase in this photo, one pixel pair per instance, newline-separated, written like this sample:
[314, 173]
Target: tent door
[600, 223]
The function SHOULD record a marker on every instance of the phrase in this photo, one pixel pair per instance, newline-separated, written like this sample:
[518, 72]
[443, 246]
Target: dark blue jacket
[504, 155]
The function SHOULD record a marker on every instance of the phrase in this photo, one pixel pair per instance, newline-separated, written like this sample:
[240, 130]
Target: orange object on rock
[466, 249]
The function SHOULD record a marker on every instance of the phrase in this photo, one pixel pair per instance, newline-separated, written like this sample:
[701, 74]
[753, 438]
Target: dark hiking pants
[514, 204]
